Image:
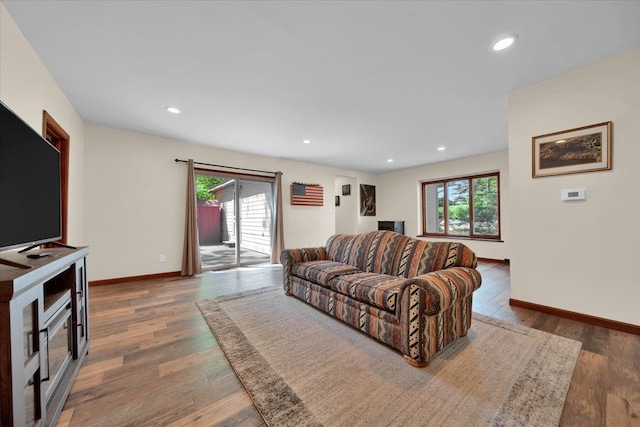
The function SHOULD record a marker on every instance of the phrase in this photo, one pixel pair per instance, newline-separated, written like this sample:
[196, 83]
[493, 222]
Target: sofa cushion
[321, 272]
[358, 253]
[379, 290]
[385, 253]
[421, 257]
[391, 253]
[338, 247]
[375, 252]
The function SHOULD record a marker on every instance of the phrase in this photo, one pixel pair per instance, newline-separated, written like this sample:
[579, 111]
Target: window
[462, 207]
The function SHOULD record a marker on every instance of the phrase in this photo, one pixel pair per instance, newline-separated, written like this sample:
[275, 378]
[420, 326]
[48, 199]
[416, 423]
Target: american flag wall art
[306, 194]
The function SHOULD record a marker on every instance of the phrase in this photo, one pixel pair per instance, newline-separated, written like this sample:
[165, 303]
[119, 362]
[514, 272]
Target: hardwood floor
[605, 389]
[154, 361]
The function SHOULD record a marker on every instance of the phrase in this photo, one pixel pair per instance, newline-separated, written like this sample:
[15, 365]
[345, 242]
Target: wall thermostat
[575, 194]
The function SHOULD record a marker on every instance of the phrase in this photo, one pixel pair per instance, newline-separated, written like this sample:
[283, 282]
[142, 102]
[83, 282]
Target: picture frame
[337, 200]
[367, 200]
[346, 190]
[583, 149]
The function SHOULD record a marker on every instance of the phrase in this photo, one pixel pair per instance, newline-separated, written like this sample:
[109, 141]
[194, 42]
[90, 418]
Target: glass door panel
[26, 388]
[217, 225]
[31, 402]
[234, 221]
[256, 221]
[58, 346]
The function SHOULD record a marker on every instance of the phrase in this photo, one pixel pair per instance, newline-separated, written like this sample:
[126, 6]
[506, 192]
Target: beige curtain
[277, 243]
[191, 263]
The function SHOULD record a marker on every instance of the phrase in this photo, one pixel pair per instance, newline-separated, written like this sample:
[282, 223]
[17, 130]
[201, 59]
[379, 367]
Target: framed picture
[346, 190]
[585, 149]
[367, 200]
[337, 200]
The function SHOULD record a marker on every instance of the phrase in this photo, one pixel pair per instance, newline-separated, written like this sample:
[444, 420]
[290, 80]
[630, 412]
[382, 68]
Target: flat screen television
[30, 203]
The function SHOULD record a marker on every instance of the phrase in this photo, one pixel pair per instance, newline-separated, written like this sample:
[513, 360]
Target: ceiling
[365, 81]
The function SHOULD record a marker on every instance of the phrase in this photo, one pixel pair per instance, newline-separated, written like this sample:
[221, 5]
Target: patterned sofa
[411, 294]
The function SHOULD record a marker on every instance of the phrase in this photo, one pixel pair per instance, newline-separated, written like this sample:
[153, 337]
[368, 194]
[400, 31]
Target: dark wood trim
[222, 173]
[452, 237]
[492, 260]
[134, 278]
[499, 207]
[213, 166]
[59, 138]
[584, 318]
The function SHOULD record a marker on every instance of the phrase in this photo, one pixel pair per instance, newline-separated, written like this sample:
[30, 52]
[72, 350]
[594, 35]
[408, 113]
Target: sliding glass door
[235, 220]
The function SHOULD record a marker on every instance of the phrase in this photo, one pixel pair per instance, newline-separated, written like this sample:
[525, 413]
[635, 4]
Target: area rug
[302, 367]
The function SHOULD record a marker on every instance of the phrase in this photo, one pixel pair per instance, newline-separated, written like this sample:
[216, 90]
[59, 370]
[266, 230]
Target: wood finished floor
[154, 362]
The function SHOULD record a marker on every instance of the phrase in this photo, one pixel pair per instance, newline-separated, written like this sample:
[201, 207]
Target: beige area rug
[303, 367]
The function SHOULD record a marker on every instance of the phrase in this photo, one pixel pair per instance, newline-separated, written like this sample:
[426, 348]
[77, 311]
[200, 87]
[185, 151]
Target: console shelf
[44, 334]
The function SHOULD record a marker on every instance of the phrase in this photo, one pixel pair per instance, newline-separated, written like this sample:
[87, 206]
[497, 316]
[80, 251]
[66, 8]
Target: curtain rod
[226, 167]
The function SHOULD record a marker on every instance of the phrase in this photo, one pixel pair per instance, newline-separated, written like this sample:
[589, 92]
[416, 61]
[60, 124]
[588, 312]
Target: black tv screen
[29, 185]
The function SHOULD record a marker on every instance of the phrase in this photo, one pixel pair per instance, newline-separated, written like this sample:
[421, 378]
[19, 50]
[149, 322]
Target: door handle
[46, 331]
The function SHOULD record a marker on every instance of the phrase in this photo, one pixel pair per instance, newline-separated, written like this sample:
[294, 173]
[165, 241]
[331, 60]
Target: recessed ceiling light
[504, 43]
[306, 141]
[441, 148]
[173, 110]
[389, 160]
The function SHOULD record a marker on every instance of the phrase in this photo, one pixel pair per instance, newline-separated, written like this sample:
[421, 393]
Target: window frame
[446, 233]
[60, 139]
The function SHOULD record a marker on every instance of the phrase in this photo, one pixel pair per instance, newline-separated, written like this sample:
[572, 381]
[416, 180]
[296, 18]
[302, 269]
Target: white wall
[579, 256]
[27, 88]
[399, 198]
[347, 213]
[135, 196]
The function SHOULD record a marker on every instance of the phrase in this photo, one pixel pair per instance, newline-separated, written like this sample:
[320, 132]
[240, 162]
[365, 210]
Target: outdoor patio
[220, 256]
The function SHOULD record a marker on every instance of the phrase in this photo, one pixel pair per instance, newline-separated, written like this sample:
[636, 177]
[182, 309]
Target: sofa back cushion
[421, 257]
[391, 253]
[375, 252]
[384, 255]
[338, 247]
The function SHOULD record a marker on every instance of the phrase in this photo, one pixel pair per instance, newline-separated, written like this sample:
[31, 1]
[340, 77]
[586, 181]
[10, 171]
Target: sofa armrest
[425, 300]
[289, 257]
[442, 288]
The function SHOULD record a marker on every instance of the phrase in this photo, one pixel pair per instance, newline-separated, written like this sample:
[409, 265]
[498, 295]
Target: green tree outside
[458, 207]
[484, 194]
[485, 206]
[204, 184]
